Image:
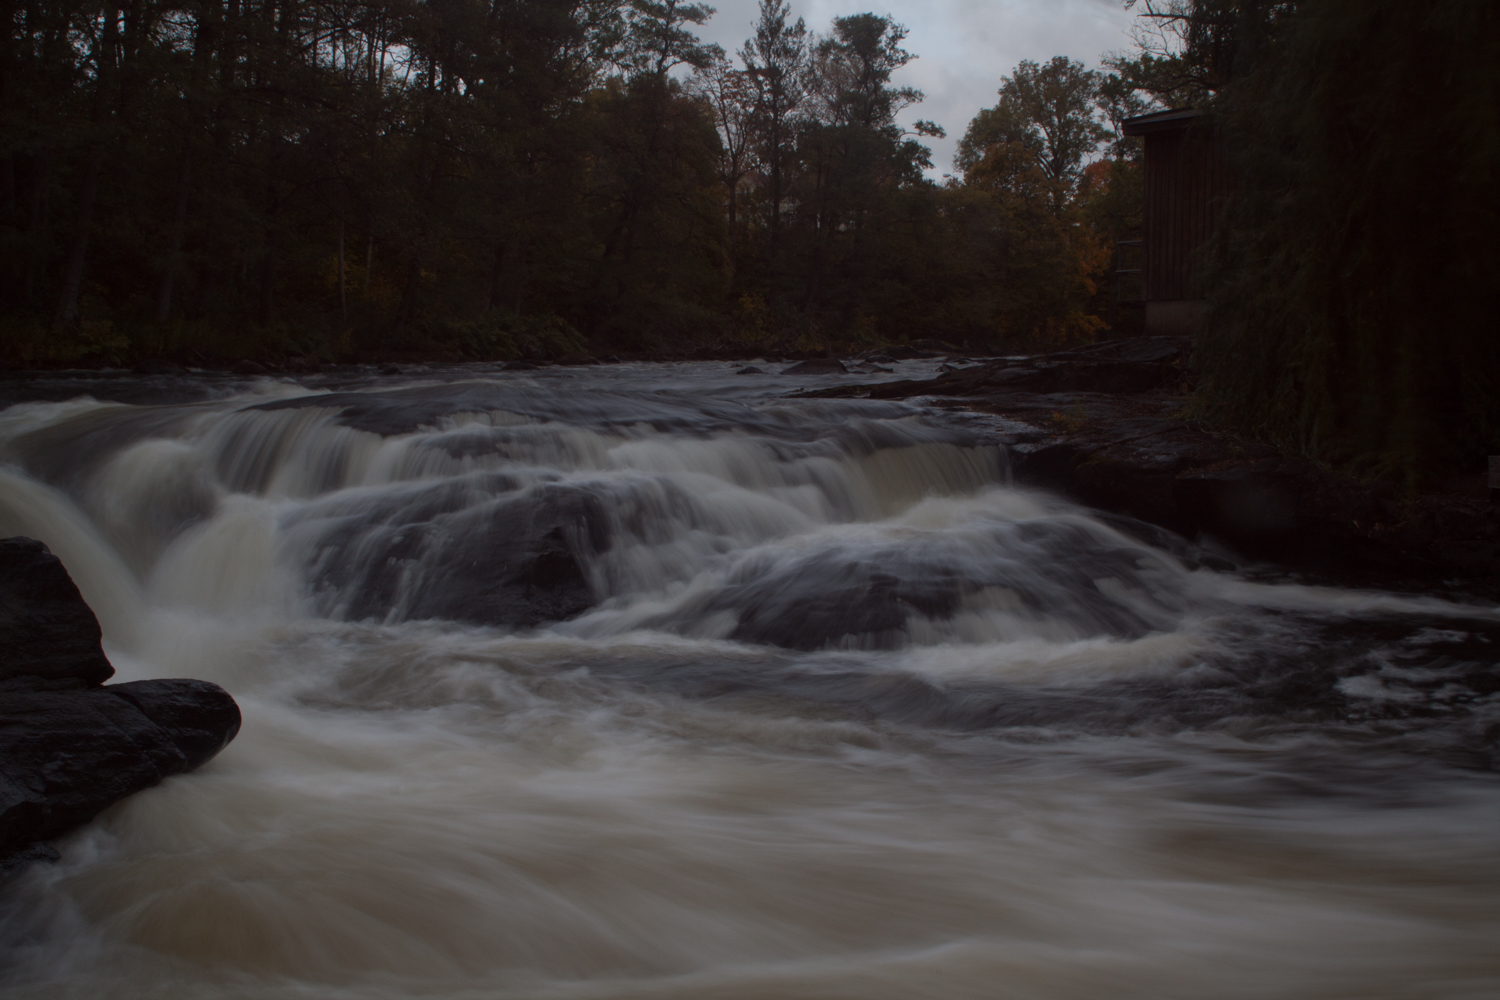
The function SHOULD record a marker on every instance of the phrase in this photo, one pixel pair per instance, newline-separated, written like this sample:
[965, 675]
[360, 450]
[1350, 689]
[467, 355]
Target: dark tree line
[1352, 307]
[478, 178]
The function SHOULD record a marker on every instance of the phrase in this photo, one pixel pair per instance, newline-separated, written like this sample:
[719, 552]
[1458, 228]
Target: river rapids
[651, 681]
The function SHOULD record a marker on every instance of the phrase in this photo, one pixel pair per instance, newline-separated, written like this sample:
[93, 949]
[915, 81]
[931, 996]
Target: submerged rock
[69, 747]
[478, 550]
[816, 366]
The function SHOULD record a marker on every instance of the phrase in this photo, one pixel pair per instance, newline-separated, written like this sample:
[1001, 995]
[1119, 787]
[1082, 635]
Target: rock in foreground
[69, 746]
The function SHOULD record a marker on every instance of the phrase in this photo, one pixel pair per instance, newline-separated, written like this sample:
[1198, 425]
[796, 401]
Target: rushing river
[651, 682]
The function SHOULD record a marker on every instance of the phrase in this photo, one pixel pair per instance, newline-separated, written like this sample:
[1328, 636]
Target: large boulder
[46, 629]
[70, 747]
[481, 549]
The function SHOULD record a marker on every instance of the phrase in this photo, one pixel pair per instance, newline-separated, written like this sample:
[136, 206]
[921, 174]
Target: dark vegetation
[1351, 288]
[355, 179]
[1353, 306]
[207, 180]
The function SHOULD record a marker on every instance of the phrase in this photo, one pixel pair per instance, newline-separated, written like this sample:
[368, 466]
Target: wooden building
[1187, 181]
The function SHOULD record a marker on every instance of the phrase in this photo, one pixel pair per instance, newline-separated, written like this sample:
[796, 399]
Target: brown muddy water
[650, 682]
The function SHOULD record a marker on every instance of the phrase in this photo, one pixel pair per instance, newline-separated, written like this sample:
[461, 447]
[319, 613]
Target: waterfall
[651, 682]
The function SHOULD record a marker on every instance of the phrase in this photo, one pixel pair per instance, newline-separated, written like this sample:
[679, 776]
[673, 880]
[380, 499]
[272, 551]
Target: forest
[351, 180]
[482, 178]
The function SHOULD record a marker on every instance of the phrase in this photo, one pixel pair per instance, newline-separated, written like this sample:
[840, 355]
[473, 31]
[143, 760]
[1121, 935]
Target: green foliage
[1352, 317]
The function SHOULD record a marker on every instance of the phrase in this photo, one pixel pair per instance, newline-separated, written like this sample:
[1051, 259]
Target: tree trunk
[731, 241]
[496, 269]
[174, 244]
[343, 298]
[408, 294]
[67, 305]
[268, 283]
[8, 186]
[268, 261]
[34, 255]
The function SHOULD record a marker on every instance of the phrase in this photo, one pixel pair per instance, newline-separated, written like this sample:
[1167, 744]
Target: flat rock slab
[66, 755]
[816, 366]
[1104, 424]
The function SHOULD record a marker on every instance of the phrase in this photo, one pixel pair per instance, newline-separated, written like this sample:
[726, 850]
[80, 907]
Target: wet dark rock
[519, 366]
[1103, 425]
[400, 411]
[750, 370]
[250, 368]
[1117, 367]
[46, 630]
[480, 550]
[69, 747]
[816, 366]
[199, 717]
[66, 755]
[575, 360]
[611, 360]
[390, 369]
[880, 359]
[837, 597]
[156, 366]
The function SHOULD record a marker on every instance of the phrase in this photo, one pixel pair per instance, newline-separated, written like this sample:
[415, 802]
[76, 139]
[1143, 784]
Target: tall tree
[731, 95]
[1189, 50]
[1046, 113]
[776, 59]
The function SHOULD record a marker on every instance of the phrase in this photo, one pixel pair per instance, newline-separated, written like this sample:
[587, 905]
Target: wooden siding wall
[1186, 183]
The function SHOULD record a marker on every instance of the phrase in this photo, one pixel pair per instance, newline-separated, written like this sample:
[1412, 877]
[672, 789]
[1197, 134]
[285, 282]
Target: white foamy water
[650, 683]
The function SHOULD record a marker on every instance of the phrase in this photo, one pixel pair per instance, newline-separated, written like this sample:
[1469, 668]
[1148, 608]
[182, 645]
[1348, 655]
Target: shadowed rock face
[69, 747]
[479, 550]
[816, 366]
[46, 630]
[869, 596]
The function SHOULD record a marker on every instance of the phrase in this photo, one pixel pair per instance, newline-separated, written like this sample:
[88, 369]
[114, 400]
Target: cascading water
[648, 682]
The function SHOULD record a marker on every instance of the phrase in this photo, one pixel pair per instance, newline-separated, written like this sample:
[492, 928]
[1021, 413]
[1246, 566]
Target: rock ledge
[69, 745]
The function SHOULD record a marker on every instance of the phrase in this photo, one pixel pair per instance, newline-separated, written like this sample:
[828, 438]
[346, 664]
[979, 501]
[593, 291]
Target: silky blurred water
[844, 714]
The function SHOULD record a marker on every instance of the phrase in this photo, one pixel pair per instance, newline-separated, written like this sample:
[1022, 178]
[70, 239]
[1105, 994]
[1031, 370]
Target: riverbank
[1106, 424]
[840, 713]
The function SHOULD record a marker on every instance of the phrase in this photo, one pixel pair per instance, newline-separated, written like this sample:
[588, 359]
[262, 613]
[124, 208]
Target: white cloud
[964, 46]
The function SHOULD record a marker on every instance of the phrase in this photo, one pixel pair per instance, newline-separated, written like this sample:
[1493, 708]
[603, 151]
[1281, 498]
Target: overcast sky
[964, 47]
